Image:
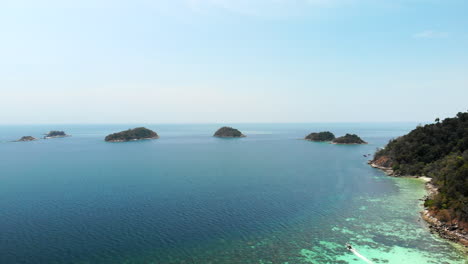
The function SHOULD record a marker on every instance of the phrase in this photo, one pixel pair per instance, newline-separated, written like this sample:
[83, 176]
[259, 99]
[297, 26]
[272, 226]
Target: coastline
[331, 142]
[28, 140]
[445, 231]
[334, 143]
[46, 137]
[241, 136]
[320, 141]
[136, 139]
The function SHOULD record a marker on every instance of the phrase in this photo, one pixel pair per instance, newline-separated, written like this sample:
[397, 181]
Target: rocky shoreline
[387, 170]
[450, 232]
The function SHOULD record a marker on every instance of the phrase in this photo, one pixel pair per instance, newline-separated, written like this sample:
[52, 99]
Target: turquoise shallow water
[192, 198]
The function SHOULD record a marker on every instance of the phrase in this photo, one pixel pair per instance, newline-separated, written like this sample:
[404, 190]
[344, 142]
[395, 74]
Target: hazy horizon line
[219, 123]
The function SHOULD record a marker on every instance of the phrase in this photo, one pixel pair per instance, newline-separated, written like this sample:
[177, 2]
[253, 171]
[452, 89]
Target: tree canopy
[321, 136]
[349, 139]
[55, 133]
[132, 134]
[228, 132]
[440, 151]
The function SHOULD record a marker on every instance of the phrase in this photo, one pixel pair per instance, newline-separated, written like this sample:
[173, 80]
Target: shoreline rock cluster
[447, 231]
[389, 171]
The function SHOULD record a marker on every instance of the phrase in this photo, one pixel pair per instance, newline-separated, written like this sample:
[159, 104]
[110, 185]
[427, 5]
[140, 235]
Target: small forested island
[228, 132]
[349, 139]
[138, 133]
[26, 138]
[321, 136]
[55, 134]
[440, 152]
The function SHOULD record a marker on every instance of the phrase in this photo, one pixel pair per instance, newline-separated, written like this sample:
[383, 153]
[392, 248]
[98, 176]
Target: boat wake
[350, 248]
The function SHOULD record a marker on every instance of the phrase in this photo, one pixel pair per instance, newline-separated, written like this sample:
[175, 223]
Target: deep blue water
[191, 198]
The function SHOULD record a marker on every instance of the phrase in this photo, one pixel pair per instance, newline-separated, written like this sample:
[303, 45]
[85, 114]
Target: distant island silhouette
[348, 139]
[321, 136]
[138, 133]
[226, 132]
[26, 138]
[55, 134]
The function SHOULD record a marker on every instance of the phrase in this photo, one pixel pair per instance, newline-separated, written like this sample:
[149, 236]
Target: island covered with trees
[138, 133]
[55, 134]
[321, 136]
[348, 139]
[228, 132]
[26, 138]
[439, 151]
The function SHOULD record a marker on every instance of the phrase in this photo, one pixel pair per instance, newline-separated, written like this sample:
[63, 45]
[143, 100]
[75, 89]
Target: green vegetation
[440, 151]
[228, 132]
[132, 134]
[321, 136]
[56, 133]
[349, 139]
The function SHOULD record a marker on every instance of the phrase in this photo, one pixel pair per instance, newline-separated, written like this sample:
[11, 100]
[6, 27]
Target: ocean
[191, 198]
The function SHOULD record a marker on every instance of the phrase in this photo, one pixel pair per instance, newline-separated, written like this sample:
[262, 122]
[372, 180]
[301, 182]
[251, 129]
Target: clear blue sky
[227, 61]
